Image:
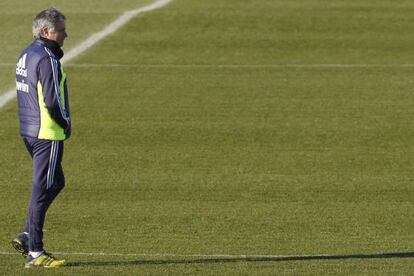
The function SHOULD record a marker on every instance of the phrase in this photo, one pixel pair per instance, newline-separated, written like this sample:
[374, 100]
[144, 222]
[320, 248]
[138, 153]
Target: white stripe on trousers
[52, 163]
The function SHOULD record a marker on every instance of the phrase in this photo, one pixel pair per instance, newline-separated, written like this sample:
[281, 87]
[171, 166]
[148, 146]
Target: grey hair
[47, 18]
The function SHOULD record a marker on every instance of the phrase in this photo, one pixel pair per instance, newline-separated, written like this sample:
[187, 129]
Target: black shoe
[21, 244]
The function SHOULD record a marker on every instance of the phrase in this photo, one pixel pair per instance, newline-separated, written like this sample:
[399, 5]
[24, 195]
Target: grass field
[208, 130]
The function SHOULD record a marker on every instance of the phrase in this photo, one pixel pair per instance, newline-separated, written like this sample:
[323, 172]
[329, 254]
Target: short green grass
[194, 134]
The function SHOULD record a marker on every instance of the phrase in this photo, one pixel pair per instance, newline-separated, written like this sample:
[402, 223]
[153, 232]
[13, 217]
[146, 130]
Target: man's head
[50, 24]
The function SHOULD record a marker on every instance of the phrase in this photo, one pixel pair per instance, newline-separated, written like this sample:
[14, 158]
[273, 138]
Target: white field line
[95, 38]
[241, 65]
[170, 255]
[327, 65]
[95, 254]
[236, 66]
[224, 257]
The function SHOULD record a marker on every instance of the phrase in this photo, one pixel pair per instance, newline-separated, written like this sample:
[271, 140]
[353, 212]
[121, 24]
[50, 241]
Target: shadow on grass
[244, 259]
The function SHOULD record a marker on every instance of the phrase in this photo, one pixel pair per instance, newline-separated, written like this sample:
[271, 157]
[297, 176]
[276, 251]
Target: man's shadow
[244, 259]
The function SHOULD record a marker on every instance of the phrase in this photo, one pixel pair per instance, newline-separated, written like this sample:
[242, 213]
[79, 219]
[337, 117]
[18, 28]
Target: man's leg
[48, 181]
[51, 183]
[52, 194]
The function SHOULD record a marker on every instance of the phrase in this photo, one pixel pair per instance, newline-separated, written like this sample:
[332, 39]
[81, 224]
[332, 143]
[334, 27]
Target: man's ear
[45, 31]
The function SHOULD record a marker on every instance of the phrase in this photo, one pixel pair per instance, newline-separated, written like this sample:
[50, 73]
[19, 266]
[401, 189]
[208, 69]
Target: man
[44, 124]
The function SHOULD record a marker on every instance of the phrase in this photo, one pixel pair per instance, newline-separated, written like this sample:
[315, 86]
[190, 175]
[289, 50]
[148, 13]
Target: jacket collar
[52, 45]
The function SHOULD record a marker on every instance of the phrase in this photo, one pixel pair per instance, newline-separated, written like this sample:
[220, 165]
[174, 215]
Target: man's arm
[49, 78]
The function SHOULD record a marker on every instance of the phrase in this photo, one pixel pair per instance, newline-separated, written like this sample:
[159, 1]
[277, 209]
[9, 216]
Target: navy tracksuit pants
[48, 181]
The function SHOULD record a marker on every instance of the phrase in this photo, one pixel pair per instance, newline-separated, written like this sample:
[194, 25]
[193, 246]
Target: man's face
[58, 34]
